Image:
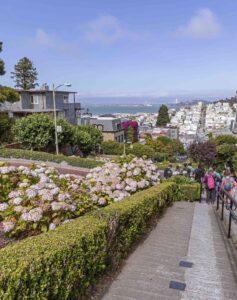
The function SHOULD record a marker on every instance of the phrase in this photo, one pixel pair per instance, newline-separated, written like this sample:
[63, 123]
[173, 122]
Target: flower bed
[38, 199]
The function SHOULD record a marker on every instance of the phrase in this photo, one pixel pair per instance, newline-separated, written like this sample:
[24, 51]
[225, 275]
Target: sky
[125, 48]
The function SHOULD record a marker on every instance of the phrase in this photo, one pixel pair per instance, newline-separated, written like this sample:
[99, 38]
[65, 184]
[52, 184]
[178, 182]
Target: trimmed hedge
[43, 156]
[63, 263]
[187, 189]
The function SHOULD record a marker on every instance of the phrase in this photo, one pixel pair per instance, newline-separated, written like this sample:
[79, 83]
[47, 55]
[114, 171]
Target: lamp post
[55, 114]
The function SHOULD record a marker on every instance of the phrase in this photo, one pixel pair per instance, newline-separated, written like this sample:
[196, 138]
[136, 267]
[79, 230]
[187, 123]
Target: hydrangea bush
[37, 199]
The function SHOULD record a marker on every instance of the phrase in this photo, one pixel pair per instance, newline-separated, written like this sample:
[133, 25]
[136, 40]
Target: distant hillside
[184, 103]
[231, 100]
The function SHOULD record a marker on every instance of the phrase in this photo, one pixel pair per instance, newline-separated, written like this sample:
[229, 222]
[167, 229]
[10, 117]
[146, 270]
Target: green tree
[66, 137]
[225, 152]
[225, 139]
[2, 65]
[5, 128]
[83, 139]
[163, 116]
[96, 135]
[34, 131]
[25, 75]
[130, 134]
[6, 93]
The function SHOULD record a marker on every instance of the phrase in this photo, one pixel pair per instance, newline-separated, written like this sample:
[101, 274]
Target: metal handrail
[228, 203]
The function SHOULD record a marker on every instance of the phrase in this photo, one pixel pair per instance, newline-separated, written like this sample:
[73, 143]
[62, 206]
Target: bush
[141, 150]
[35, 131]
[43, 156]
[159, 156]
[112, 148]
[63, 263]
[187, 189]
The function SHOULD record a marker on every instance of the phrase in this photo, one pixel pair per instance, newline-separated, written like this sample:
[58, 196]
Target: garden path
[188, 232]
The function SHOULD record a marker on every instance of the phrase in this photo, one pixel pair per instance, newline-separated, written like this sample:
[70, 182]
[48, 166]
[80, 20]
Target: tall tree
[2, 65]
[130, 134]
[25, 75]
[6, 93]
[163, 116]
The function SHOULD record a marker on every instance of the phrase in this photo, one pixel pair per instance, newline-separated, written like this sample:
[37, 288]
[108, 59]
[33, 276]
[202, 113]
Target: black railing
[229, 203]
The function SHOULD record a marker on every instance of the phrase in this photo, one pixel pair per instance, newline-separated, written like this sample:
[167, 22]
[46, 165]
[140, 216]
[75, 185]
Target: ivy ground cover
[38, 199]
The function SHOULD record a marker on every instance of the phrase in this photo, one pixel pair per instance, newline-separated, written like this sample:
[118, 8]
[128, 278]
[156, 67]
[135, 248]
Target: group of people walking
[211, 180]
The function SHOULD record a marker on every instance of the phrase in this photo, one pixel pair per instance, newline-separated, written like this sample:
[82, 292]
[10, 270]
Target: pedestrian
[185, 170]
[228, 183]
[177, 171]
[210, 183]
[199, 174]
[168, 172]
[190, 170]
[218, 180]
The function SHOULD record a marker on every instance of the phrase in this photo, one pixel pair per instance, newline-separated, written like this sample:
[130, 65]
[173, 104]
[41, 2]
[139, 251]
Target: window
[100, 127]
[65, 98]
[34, 99]
[118, 126]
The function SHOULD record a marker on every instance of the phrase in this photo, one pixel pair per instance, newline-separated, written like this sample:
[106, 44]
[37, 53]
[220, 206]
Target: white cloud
[108, 30]
[42, 39]
[204, 25]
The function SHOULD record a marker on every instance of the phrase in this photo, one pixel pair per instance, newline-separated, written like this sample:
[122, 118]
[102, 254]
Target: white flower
[30, 193]
[56, 205]
[101, 201]
[15, 194]
[52, 226]
[34, 215]
[3, 206]
[47, 196]
[19, 209]
[17, 201]
[8, 226]
[23, 184]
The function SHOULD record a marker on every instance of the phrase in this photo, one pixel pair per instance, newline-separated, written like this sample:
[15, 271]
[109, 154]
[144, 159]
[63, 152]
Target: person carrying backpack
[168, 172]
[199, 175]
[210, 182]
[228, 183]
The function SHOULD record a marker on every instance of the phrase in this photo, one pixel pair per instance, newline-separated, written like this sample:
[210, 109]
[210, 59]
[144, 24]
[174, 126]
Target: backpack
[210, 182]
[227, 185]
[168, 173]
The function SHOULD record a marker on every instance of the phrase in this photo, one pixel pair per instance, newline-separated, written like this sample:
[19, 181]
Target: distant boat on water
[147, 104]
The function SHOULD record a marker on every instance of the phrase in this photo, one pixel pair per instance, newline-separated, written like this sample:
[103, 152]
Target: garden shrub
[63, 263]
[140, 150]
[112, 148]
[187, 189]
[44, 156]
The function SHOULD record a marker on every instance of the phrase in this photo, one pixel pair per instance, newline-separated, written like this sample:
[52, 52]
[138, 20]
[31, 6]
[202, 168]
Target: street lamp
[55, 113]
[124, 146]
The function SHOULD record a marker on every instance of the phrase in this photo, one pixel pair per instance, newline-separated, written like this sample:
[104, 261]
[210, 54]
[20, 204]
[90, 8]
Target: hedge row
[43, 156]
[63, 263]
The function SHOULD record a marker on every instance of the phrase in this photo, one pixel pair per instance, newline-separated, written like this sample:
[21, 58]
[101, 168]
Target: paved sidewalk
[188, 232]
